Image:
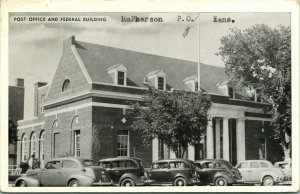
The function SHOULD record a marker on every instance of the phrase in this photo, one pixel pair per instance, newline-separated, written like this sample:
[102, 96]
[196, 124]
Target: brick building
[82, 112]
[16, 112]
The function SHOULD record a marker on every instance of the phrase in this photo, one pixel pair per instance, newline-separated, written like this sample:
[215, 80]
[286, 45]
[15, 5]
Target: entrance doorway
[232, 142]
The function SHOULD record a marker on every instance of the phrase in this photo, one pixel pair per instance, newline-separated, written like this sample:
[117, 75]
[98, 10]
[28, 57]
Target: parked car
[286, 167]
[124, 171]
[66, 171]
[216, 172]
[177, 172]
[259, 171]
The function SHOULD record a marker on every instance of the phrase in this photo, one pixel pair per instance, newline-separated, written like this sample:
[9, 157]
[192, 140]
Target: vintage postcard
[158, 97]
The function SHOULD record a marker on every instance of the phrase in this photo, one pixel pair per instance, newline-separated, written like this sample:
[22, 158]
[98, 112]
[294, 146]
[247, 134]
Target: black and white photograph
[152, 100]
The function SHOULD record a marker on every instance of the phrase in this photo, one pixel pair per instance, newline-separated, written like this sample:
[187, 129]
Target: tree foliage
[12, 132]
[176, 118]
[260, 58]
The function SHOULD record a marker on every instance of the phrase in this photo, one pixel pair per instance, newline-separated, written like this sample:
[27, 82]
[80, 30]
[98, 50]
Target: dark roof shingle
[98, 59]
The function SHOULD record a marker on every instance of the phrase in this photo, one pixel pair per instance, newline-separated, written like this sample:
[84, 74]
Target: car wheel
[268, 181]
[73, 183]
[221, 181]
[180, 181]
[22, 184]
[127, 183]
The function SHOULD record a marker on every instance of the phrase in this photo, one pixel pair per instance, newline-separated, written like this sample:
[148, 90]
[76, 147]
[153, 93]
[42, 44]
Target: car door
[131, 167]
[69, 167]
[51, 175]
[255, 172]
[160, 172]
[117, 169]
[179, 167]
[206, 171]
[110, 171]
[244, 170]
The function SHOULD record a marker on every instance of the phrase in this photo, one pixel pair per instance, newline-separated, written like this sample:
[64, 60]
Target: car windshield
[228, 164]
[89, 163]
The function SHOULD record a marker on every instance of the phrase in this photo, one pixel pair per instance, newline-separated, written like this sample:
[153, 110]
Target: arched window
[66, 85]
[24, 153]
[42, 145]
[42, 153]
[33, 144]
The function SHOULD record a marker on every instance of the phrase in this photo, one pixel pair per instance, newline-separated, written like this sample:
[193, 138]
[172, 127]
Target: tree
[176, 118]
[260, 58]
[12, 132]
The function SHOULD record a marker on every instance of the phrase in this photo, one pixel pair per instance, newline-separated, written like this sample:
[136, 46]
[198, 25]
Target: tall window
[77, 143]
[123, 143]
[230, 92]
[196, 86]
[161, 83]
[66, 85]
[24, 153]
[42, 102]
[121, 78]
[33, 144]
[262, 148]
[42, 144]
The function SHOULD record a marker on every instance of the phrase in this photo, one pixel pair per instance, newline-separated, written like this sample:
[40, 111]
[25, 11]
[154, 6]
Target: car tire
[127, 182]
[73, 183]
[180, 181]
[221, 181]
[21, 183]
[268, 181]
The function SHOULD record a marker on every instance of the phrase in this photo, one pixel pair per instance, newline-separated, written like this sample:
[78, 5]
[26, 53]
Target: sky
[35, 48]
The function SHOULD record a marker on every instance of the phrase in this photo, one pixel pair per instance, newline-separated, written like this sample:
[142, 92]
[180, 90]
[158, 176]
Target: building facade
[82, 112]
[16, 113]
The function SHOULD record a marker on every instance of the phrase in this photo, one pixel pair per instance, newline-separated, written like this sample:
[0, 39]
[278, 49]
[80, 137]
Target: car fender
[273, 173]
[180, 175]
[31, 182]
[134, 177]
[225, 175]
[82, 179]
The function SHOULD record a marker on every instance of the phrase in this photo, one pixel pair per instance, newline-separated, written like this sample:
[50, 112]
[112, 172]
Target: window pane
[160, 83]
[122, 143]
[254, 165]
[130, 164]
[264, 165]
[244, 165]
[121, 78]
[69, 164]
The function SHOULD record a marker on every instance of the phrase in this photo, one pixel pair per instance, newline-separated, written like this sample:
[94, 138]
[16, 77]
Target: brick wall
[68, 68]
[106, 123]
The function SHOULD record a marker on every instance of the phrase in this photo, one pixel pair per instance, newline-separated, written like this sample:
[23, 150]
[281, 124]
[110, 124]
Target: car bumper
[103, 184]
[194, 181]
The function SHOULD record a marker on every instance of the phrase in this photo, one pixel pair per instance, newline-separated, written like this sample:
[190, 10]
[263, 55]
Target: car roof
[173, 159]
[71, 158]
[255, 161]
[119, 158]
[211, 160]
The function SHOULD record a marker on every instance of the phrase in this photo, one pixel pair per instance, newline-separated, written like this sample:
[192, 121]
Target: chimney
[69, 42]
[36, 97]
[19, 82]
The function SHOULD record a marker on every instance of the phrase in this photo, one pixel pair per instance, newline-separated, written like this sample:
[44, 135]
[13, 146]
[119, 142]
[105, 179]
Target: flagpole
[199, 87]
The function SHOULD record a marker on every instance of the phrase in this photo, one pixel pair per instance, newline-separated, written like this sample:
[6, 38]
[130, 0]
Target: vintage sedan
[124, 171]
[65, 171]
[216, 172]
[259, 171]
[177, 172]
[286, 167]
